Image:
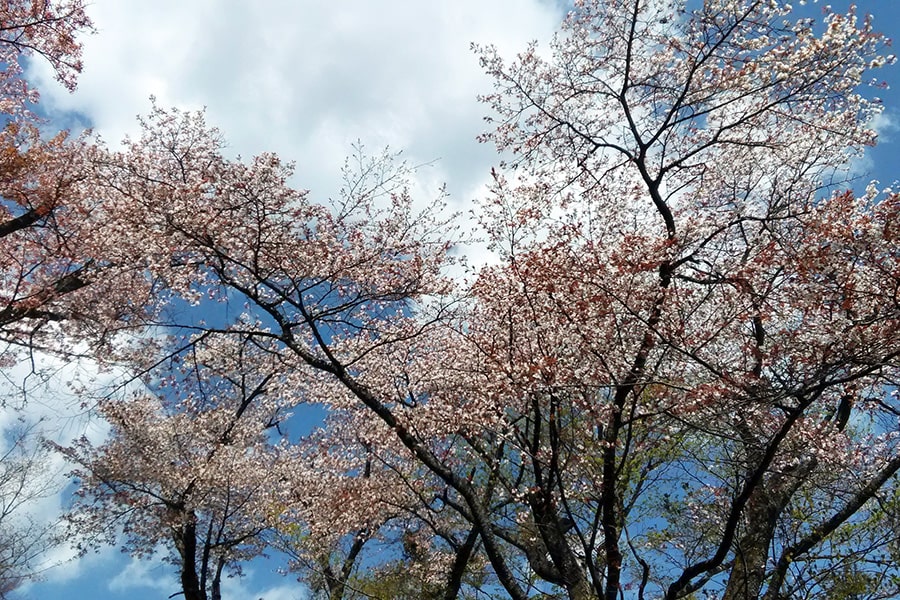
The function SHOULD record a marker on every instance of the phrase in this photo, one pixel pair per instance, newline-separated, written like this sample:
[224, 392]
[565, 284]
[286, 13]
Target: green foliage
[398, 580]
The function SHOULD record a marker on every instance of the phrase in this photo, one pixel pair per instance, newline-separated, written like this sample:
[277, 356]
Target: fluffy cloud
[158, 577]
[253, 587]
[153, 574]
[307, 79]
[41, 395]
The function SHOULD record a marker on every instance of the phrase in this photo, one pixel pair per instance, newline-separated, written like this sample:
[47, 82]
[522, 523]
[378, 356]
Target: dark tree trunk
[460, 562]
[186, 543]
[217, 580]
[749, 573]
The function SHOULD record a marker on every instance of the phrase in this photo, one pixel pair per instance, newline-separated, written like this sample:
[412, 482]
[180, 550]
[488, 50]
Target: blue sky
[307, 79]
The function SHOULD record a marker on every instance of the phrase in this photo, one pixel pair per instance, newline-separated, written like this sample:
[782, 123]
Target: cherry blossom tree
[678, 379]
[58, 278]
[368, 528]
[351, 267]
[39, 178]
[40, 200]
[192, 468]
[679, 167]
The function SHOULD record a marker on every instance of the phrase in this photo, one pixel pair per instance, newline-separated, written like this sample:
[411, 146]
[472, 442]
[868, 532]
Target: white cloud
[248, 589]
[48, 390]
[45, 395]
[306, 79]
[155, 574]
[885, 124]
[152, 573]
[64, 566]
